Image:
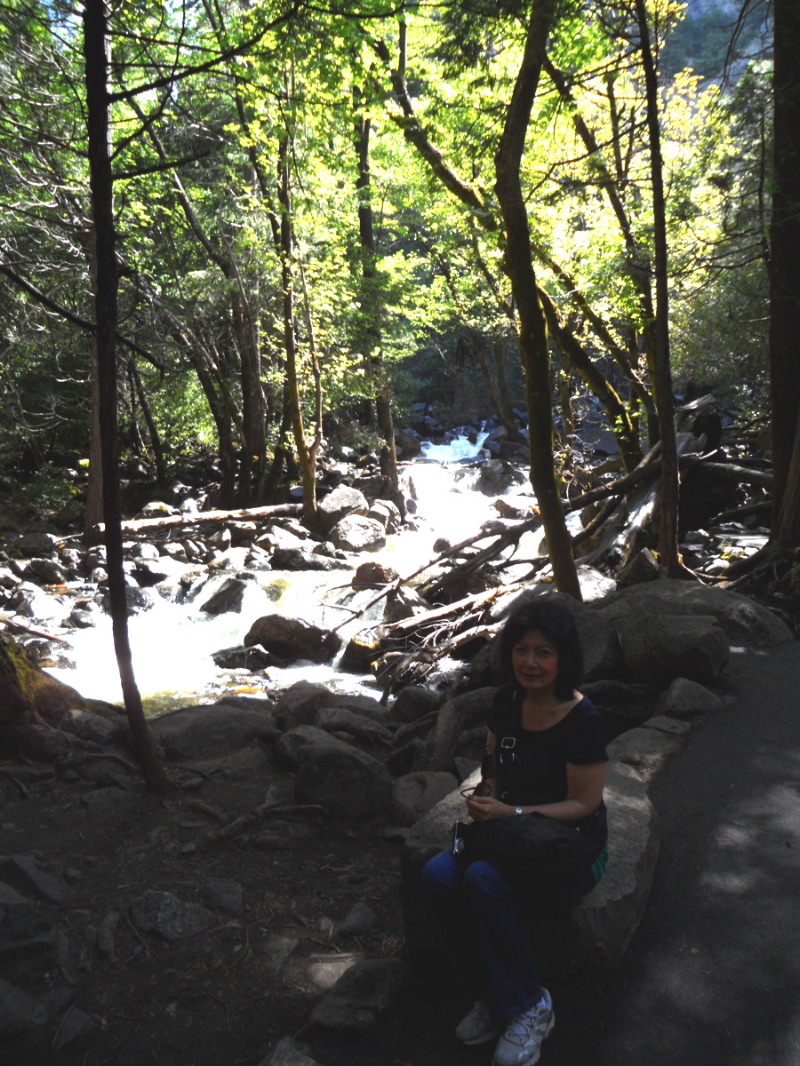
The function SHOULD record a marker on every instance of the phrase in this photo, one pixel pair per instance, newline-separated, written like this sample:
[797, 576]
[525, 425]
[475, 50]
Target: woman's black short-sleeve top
[532, 765]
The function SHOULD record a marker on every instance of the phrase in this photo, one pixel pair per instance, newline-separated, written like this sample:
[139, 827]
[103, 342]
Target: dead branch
[406, 626]
[448, 553]
[232, 829]
[740, 474]
[30, 629]
[502, 541]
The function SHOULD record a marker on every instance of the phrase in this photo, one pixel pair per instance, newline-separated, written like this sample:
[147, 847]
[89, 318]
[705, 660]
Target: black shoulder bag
[527, 843]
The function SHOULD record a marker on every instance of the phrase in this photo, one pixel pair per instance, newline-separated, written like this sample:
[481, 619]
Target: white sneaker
[478, 1026]
[521, 1043]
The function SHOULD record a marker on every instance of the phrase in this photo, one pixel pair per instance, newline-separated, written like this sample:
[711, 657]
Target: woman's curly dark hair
[555, 621]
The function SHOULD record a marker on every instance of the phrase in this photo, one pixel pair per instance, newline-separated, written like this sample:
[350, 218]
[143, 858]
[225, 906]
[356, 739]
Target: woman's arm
[584, 796]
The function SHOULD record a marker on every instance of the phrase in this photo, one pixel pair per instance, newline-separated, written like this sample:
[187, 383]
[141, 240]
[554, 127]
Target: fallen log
[740, 474]
[406, 626]
[278, 510]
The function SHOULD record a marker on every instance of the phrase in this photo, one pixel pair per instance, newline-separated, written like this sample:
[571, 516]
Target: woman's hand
[487, 808]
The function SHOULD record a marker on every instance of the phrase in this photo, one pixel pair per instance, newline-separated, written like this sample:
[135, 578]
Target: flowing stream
[173, 643]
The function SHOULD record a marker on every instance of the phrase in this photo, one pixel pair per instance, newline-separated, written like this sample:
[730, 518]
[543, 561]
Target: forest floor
[223, 995]
[229, 994]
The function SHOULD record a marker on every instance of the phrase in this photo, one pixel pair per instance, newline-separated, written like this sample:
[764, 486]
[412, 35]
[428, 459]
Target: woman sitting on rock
[545, 754]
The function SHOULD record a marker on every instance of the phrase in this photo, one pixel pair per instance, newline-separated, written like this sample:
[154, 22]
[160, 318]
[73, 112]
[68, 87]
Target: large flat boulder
[745, 623]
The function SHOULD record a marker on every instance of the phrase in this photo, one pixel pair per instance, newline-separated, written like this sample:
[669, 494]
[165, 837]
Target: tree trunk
[660, 370]
[95, 45]
[305, 456]
[31, 704]
[784, 277]
[371, 304]
[93, 511]
[532, 328]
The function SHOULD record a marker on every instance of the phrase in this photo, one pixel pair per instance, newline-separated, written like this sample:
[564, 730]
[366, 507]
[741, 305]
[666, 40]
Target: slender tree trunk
[152, 429]
[93, 512]
[660, 370]
[305, 455]
[784, 276]
[532, 328]
[102, 196]
[372, 304]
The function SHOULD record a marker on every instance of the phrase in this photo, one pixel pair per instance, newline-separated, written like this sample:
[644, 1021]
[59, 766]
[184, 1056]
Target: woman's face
[534, 658]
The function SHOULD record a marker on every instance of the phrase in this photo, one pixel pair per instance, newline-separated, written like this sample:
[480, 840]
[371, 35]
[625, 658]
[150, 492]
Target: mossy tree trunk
[31, 704]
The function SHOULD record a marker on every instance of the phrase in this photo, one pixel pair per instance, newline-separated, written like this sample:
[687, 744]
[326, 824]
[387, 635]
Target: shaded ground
[712, 979]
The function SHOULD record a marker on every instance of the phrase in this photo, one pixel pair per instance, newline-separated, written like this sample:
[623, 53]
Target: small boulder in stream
[292, 638]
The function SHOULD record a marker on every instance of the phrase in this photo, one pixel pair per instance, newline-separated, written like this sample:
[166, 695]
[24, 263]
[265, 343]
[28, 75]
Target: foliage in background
[212, 140]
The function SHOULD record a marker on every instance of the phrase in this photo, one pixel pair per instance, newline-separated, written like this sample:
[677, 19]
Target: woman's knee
[484, 879]
[441, 874]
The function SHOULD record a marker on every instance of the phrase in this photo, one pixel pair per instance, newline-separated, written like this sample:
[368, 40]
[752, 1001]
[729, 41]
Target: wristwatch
[518, 810]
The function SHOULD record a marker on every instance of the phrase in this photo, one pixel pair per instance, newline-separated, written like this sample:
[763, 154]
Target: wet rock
[144, 549]
[387, 513]
[293, 638]
[157, 509]
[138, 600]
[408, 443]
[373, 574]
[496, 476]
[356, 533]
[228, 598]
[84, 615]
[362, 649]
[362, 996]
[241, 658]
[343, 501]
[301, 559]
[8, 579]
[170, 917]
[38, 544]
[45, 572]
[403, 602]
[163, 571]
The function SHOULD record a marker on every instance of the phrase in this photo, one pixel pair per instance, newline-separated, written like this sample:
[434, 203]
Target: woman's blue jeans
[487, 928]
